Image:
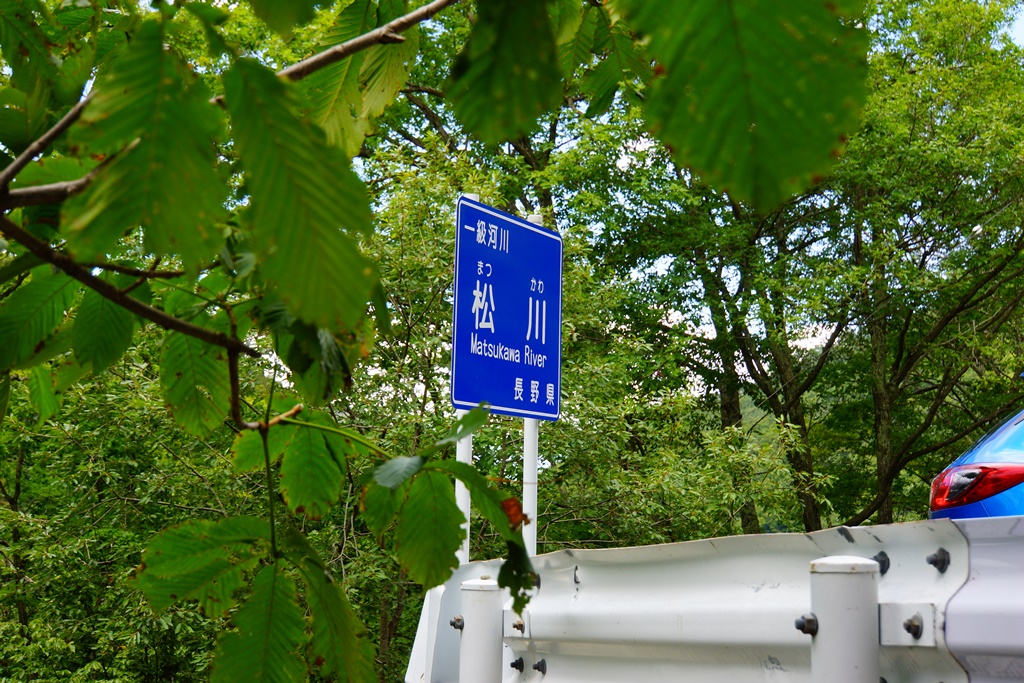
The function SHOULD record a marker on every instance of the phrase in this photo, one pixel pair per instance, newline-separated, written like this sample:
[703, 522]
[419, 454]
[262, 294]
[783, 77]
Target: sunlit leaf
[755, 96]
[264, 649]
[429, 530]
[307, 204]
[333, 91]
[508, 74]
[161, 126]
[386, 67]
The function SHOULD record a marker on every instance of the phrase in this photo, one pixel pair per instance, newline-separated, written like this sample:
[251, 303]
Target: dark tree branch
[388, 33]
[112, 293]
[434, 120]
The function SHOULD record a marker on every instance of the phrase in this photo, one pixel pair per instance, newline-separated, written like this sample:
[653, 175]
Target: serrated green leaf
[306, 203]
[566, 19]
[466, 425]
[429, 530]
[379, 506]
[41, 395]
[282, 17]
[68, 374]
[56, 344]
[310, 478]
[756, 97]
[201, 560]
[23, 118]
[32, 314]
[339, 638]
[333, 91]
[102, 331]
[386, 66]
[395, 471]
[576, 50]
[147, 99]
[23, 45]
[195, 383]
[508, 74]
[270, 628]
[74, 72]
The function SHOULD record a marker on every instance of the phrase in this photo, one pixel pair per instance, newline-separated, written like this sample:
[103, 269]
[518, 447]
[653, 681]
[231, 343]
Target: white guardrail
[923, 602]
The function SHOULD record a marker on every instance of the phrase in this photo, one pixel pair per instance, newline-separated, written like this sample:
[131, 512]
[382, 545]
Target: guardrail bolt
[882, 558]
[939, 559]
[808, 624]
[519, 625]
[457, 623]
[518, 665]
[541, 666]
[914, 626]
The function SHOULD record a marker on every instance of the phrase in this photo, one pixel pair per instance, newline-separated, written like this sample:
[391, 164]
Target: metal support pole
[844, 606]
[531, 440]
[530, 447]
[480, 647]
[463, 453]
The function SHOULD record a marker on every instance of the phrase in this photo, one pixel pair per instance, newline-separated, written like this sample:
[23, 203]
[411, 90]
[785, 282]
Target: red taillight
[969, 483]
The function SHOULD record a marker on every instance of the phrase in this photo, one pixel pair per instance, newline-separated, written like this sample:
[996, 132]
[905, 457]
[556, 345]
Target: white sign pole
[464, 453]
[531, 438]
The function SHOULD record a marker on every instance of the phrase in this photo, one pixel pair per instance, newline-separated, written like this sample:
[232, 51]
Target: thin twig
[40, 145]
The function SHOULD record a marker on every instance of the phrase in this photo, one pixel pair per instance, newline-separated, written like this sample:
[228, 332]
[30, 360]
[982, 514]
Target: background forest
[727, 369]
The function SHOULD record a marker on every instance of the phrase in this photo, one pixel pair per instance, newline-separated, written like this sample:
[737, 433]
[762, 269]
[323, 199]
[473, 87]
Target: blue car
[987, 480]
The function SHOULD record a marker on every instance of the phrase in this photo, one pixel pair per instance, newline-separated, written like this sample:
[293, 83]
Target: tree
[146, 181]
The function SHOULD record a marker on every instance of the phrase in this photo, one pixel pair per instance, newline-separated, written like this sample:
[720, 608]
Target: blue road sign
[507, 331]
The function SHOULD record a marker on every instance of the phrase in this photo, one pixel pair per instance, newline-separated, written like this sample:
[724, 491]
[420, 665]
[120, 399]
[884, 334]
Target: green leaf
[102, 331]
[148, 99]
[508, 74]
[32, 314]
[23, 45]
[195, 383]
[270, 628]
[248, 447]
[310, 478]
[395, 471]
[333, 91]
[202, 559]
[576, 50]
[283, 16]
[429, 530]
[756, 96]
[41, 395]
[379, 506]
[55, 345]
[22, 118]
[386, 66]
[339, 638]
[306, 203]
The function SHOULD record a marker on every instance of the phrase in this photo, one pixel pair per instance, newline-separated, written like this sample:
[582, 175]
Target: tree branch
[388, 33]
[112, 293]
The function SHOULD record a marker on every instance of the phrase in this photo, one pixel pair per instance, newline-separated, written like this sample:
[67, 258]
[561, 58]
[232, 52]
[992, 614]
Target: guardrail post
[843, 620]
[480, 649]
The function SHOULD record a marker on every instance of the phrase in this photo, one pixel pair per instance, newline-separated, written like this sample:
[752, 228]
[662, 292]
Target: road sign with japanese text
[507, 330]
